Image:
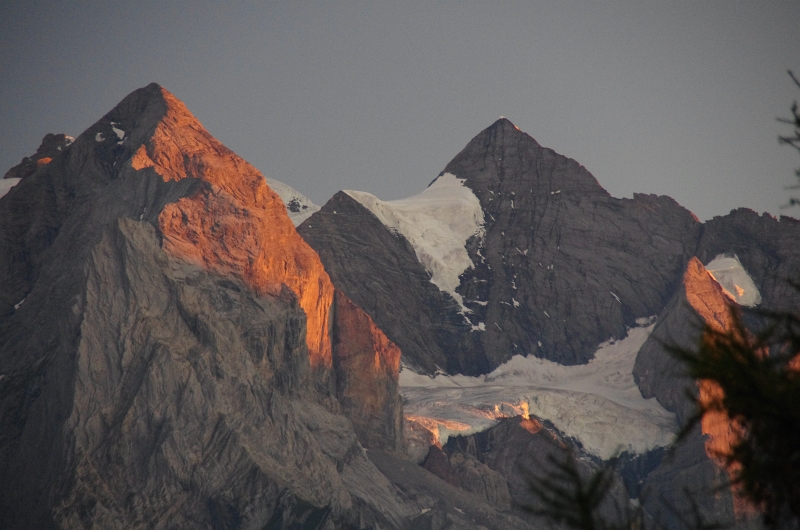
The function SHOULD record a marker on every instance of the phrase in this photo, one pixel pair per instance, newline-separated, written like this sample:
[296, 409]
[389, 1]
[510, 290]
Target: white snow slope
[293, 199]
[734, 280]
[7, 184]
[437, 222]
[597, 403]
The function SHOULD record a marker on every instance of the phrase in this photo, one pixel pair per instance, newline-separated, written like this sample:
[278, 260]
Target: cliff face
[367, 366]
[165, 345]
[580, 265]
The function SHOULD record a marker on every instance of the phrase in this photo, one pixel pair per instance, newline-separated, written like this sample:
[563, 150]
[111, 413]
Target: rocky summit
[175, 353]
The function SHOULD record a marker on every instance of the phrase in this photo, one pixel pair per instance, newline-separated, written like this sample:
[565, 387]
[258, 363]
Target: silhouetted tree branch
[759, 375]
[793, 139]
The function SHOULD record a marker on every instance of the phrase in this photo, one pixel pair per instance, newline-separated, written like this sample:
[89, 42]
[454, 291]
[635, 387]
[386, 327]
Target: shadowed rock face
[520, 450]
[580, 265]
[379, 270]
[165, 351]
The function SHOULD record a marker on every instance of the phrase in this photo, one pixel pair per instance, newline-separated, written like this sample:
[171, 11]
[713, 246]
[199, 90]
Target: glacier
[597, 403]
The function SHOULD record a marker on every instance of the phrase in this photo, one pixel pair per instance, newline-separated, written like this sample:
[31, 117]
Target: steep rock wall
[367, 366]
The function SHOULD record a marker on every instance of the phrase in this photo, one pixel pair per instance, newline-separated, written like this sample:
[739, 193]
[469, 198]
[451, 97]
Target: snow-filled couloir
[597, 403]
[437, 223]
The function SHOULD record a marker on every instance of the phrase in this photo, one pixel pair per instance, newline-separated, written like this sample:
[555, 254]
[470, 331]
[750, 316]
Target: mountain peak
[502, 152]
[504, 131]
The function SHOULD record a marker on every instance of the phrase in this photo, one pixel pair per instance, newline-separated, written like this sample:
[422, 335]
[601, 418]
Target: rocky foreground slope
[173, 354]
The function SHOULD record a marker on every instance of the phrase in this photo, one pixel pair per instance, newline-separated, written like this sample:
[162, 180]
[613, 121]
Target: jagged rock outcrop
[52, 145]
[444, 505]
[185, 376]
[657, 372]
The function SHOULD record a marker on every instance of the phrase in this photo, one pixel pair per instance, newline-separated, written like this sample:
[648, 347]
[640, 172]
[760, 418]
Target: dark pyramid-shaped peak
[502, 156]
[504, 131]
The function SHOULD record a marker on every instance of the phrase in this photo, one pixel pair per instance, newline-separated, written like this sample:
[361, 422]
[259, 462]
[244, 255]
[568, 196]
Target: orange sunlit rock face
[711, 303]
[234, 224]
[367, 367]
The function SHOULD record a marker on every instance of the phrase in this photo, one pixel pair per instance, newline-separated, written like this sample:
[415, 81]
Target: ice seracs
[737, 284]
[437, 223]
[597, 403]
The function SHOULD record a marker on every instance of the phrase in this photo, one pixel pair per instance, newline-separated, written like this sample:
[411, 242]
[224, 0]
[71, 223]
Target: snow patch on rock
[728, 271]
[437, 222]
[298, 206]
[597, 403]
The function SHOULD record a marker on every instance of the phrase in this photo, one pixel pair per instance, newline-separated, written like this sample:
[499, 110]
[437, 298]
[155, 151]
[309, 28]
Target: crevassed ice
[437, 223]
[728, 271]
[597, 403]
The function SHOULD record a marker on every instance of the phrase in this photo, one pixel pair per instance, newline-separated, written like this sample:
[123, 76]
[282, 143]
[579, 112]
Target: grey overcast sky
[674, 97]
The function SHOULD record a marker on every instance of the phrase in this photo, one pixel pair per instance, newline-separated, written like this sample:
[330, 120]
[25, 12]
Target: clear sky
[676, 97]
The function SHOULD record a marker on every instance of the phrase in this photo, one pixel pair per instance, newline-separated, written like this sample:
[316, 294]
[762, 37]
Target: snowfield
[298, 206]
[597, 403]
[437, 223]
